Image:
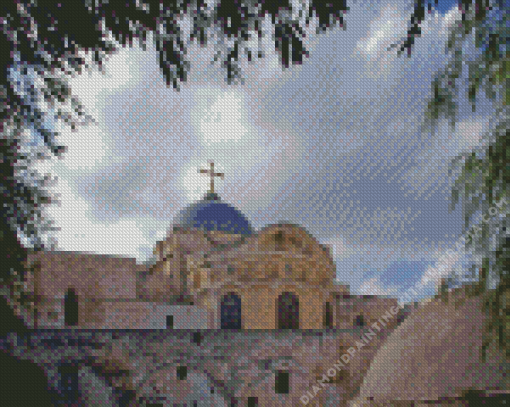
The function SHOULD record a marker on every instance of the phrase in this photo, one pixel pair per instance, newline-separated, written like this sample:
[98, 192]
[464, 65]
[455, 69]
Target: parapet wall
[91, 276]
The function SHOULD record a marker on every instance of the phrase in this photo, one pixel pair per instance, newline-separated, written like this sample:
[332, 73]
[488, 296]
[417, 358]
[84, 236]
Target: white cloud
[447, 262]
[373, 286]
[387, 29]
[126, 237]
[121, 70]
[341, 250]
[389, 224]
[256, 157]
[86, 148]
[433, 162]
[391, 27]
[384, 30]
[223, 120]
[89, 145]
[447, 21]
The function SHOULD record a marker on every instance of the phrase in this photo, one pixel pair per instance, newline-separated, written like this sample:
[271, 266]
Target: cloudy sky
[333, 145]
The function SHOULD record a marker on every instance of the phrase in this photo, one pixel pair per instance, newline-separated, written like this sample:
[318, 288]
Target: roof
[435, 353]
[212, 214]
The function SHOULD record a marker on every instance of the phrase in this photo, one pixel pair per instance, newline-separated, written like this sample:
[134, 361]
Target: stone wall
[259, 303]
[227, 365]
[115, 314]
[91, 275]
[367, 309]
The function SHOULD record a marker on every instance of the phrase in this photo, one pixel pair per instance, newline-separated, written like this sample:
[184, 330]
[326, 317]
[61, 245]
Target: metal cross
[212, 174]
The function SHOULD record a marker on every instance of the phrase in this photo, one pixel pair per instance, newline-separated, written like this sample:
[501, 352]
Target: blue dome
[210, 214]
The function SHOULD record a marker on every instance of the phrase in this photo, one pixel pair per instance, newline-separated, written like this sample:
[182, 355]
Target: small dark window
[182, 372]
[278, 239]
[69, 382]
[197, 338]
[328, 316]
[170, 321]
[253, 401]
[282, 382]
[154, 404]
[71, 308]
[295, 242]
[288, 271]
[360, 321]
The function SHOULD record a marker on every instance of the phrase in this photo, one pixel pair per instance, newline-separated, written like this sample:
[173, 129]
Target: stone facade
[212, 263]
[196, 271]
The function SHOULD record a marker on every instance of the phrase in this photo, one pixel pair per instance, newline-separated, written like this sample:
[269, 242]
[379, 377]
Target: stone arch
[287, 311]
[279, 241]
[230, 311]
[293, 237]
[71, 310]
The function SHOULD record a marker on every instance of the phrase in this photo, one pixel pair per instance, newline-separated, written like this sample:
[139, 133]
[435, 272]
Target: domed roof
[211, 214]
[445, 359]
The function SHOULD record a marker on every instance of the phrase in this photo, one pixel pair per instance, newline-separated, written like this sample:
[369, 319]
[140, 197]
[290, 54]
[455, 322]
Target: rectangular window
[253, 401]
[170, 321]
[282, 382]
[197, 338]
[182, 372]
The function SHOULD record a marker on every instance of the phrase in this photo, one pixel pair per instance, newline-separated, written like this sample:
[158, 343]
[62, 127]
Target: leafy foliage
[485, 172]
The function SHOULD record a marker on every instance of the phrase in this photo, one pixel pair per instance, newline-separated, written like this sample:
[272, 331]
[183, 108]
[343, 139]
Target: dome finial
[212, 174]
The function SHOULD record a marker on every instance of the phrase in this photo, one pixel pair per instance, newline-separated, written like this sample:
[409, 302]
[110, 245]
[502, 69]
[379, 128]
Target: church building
[212, 271]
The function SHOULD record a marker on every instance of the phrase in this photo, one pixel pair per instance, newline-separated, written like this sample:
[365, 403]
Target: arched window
[278, 241]
[71, 308]
[287, 311]
[328, 316]
[230, 311]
